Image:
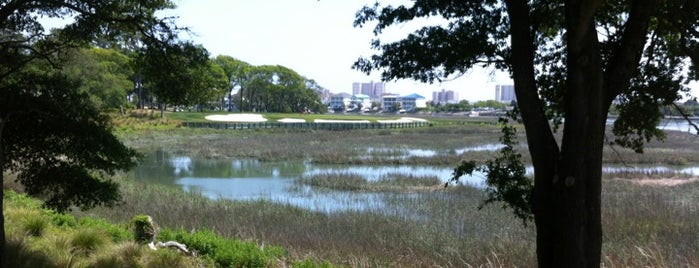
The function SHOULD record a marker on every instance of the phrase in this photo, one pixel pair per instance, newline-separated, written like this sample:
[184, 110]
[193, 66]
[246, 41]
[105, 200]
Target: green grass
[42, 238]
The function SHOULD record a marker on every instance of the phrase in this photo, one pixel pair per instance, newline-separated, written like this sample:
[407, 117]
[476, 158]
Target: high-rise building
[372, 89]
[505, 93]
[445, 96]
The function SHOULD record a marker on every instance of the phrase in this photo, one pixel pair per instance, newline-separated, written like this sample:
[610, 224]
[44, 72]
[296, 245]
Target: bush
[34, 225]
[86, 241]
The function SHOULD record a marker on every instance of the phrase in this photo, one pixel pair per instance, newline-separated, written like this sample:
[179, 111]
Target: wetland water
[249, 179]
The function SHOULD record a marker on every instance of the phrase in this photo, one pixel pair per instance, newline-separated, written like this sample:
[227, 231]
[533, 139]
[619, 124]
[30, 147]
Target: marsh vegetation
[414, 220]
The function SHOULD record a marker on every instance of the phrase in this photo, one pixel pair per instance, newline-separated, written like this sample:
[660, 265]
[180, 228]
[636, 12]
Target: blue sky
[314, 38]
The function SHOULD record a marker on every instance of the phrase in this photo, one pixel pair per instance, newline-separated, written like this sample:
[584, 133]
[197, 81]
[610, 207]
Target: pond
[249, 179]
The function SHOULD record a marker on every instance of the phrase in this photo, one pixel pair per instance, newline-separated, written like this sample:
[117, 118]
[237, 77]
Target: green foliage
[117, 233]
[181, 73]
[60, 145]
[490, 104]
[308, 263]
[64, 220]
[224, 252]
[505, 176]
[279, 89]
[103, 74]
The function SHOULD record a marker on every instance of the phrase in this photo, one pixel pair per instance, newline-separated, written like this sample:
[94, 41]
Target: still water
[250, 179]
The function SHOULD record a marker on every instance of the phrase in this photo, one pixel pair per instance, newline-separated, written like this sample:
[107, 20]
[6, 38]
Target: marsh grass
[643, 225]
[392, 182]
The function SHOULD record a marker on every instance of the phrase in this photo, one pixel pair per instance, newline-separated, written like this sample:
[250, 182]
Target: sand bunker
[340, 121]
[259, 118]
[292, 120]
[236, 118]
[403, 120]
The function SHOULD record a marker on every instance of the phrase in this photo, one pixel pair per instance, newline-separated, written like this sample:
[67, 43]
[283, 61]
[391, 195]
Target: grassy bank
[38, 237]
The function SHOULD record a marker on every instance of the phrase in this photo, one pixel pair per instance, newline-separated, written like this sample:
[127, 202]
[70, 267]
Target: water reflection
[675, 124]
[249, 179]
[405, 153]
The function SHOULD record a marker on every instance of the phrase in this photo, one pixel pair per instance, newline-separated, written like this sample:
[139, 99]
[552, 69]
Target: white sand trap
[340, 121]
[236, 118]
[403, 120]
[292, 120]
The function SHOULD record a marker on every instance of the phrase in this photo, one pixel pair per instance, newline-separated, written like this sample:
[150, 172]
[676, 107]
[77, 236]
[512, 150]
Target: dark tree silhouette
[569, 60]
[51, 135]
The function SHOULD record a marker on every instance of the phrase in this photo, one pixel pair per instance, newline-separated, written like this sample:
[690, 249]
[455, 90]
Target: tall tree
[237, 73]
[274, 88]
[180, 74]
[569, 61]
[51, 136]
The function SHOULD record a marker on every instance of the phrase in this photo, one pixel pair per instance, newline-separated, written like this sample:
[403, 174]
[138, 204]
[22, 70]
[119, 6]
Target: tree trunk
[3, 244]
[567, 187]
[576, 232]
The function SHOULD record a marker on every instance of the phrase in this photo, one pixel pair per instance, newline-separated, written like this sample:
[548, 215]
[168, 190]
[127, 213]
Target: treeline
[187, 78]
[465, 106]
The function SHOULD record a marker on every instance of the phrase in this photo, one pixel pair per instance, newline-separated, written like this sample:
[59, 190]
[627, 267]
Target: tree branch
[686, 117]
[628, 54]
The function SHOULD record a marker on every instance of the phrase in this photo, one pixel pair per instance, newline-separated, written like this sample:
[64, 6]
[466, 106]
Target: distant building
[388, 101]
[413, 102]
[359, 102]
[445, 96]
[340, 101]
[372, 89]
[505, 93]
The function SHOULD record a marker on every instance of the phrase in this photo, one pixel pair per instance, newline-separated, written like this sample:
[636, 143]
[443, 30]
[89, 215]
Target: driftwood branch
[149, 229]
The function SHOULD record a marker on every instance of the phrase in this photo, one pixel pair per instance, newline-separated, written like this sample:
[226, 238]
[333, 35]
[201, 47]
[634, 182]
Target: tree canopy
[52, 135]
[104, 74]
[181, 74]
[570, 60]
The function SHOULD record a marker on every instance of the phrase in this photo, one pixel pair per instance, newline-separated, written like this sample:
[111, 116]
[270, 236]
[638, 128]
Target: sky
[315, 38]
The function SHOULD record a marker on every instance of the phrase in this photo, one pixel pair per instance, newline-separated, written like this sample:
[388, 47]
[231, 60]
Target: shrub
[63, 220]
[34, 225]
[86, 241]
[167, 258]
[127, 254]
